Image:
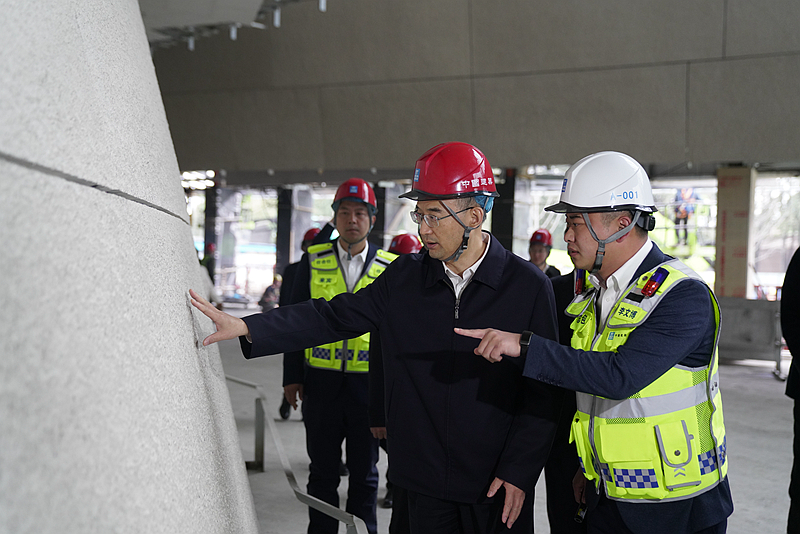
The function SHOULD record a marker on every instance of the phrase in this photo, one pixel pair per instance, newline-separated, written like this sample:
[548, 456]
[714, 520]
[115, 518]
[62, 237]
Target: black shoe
[388, 500]
[285, 409]
[343, 471]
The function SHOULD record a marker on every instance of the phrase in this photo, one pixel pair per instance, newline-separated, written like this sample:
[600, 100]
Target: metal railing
[355, 525]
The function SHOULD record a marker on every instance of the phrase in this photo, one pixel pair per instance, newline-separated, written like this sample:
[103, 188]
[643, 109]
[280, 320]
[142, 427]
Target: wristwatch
[525, 340]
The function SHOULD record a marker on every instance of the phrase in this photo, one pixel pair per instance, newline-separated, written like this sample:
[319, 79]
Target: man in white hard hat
[649, 429]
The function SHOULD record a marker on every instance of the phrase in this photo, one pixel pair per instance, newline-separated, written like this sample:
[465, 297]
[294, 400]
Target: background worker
[539, 249]
[405, 244]
[269, 299]
[467, 439]
[649, 428]
[331, 378]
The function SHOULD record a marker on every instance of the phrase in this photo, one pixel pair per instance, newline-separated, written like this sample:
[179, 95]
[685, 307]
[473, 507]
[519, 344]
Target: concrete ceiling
[164, 19]
[171, 22]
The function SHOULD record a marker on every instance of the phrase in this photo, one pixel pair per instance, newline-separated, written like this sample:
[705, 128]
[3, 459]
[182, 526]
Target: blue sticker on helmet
[354, 189]
[416, 175]
[564, 185]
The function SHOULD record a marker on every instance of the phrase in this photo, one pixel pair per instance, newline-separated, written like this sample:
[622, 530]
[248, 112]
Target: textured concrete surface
[758, 419]
[112, 418]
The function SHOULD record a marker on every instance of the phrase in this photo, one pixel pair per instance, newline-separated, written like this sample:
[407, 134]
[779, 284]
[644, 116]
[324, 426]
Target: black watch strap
[525, 339]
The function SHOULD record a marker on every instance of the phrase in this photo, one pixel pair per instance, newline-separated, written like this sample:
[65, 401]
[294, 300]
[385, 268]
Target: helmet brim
[416, 194]
[563, 207]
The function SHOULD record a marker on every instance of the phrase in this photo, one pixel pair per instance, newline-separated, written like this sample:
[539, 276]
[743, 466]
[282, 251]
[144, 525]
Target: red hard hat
[452, 170]
[405, 244]
[310, 234]
[543, 236]
[357, 190]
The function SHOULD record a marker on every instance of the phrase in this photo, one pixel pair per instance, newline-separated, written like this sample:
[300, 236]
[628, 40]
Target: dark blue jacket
[680, 330]
[455, 421]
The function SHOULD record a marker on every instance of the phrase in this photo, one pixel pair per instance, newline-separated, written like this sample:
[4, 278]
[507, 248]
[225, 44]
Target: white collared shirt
[352, 268]
[619, 280]
[460, 281]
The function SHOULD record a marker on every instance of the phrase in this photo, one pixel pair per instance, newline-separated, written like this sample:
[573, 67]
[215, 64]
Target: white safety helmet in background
[607, 182]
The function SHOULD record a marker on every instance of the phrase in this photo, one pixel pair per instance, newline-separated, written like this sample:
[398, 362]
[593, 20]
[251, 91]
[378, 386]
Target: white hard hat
[605, 181]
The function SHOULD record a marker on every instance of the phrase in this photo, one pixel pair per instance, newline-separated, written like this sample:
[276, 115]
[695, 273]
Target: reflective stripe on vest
[326, 282]
[667, 441]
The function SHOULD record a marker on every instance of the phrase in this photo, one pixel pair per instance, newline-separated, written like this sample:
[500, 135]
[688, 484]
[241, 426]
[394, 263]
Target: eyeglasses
[431, 220]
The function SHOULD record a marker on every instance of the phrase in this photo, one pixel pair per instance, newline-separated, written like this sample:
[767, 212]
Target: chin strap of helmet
[601, 243]
[465, 239]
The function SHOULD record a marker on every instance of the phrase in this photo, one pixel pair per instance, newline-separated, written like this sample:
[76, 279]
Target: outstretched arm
[228, 326]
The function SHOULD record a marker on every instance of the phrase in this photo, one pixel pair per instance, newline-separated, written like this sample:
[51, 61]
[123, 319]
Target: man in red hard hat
[467, 439]
[539, 249]
[331, 378]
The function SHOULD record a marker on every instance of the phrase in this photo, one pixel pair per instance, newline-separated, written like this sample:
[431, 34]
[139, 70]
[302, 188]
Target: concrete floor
[758, 418]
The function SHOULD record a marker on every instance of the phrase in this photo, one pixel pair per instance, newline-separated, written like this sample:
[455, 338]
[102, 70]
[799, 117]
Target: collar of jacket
[371, 250]
[489, 273]
[653, 259]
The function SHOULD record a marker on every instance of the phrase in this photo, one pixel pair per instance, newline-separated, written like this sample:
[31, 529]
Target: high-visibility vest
[327, 281]
[665, 442]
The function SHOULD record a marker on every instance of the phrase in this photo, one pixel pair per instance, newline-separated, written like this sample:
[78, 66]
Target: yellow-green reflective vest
[665, 442]
[327, 281]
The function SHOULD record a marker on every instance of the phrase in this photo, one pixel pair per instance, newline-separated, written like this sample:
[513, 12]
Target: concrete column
[503, 210]
[210, 231]
[283, 243]
[378, 234]
[735, 189]
[302, 208]
[113, 416]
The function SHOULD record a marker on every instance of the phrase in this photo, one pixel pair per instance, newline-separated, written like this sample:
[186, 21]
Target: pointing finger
[477, 333]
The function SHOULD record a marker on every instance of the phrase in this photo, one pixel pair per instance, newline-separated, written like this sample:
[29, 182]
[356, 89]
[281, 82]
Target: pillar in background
[113, 416]
[210, 231]
[391, 213]
[503, 210]
[735, 189]
[302, 210]
[283, 242]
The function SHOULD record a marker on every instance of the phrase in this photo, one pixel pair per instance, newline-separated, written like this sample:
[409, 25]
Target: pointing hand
[494, 343]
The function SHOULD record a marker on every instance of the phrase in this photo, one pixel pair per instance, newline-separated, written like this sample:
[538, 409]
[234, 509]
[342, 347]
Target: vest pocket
[631, 453]
[577, 434]
[681, 468]
[582, 331]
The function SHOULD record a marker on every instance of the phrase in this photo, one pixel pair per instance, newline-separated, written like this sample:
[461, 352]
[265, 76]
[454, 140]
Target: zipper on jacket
[458, 301]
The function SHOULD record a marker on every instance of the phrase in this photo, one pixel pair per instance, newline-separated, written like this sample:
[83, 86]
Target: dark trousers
[329, 422]
[793, 526]
[429, 515]
[606, 519]
[399, 523]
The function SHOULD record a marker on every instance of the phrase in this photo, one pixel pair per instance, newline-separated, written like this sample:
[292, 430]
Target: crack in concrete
[80, 181]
